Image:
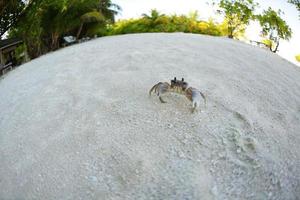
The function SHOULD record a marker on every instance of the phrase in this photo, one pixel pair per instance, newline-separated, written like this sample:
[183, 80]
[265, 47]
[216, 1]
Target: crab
[179, 87]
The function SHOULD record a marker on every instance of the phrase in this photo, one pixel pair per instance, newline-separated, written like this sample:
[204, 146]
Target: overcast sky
[288, 50]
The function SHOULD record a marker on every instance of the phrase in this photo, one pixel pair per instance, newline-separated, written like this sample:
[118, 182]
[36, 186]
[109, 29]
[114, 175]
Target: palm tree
[153, 19]
[60, 17]
[109, 10]
[46, 21]
[154, 15]
[103, 11]
[89, 17]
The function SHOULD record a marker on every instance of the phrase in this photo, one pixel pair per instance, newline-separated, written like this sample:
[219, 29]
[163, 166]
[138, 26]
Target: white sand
[79, 124]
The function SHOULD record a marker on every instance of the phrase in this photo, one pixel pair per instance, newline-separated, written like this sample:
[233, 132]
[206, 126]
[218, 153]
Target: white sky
[287, 49]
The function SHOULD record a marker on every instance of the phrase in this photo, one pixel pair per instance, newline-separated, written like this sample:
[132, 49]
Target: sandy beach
[78, 123]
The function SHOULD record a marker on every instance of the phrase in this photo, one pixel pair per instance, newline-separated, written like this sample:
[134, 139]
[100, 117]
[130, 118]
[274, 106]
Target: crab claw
[195, 96]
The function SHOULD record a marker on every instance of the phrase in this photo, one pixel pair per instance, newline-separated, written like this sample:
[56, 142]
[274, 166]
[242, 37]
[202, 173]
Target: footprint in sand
[242, 149]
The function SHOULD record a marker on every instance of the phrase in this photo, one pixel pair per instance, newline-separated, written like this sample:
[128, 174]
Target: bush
[298, 57]
[164, 23]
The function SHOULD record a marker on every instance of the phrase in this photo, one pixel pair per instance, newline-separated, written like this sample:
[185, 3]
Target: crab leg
[161, 100]
[160, 88]
[153, 88]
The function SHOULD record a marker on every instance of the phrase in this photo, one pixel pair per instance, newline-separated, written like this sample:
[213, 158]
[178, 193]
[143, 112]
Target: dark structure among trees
[7, 53]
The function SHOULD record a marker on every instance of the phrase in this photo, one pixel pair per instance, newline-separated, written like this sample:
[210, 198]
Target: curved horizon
[287, 49]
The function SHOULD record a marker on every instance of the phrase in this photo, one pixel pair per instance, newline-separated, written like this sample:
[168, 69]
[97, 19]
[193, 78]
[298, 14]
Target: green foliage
[298, 57]
[274, 27]
[238, 14]
[153, 16]
[296, 3]
[47, 21]
[90, 17]
[156, 22]
[267, 42]
[108, 10]
[93, 16]
[20, 53]
[10, 11]
[272, 23]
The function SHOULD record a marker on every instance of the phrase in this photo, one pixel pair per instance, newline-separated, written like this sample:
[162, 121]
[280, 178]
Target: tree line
[237, 15]
[43, 23]
[158, 22]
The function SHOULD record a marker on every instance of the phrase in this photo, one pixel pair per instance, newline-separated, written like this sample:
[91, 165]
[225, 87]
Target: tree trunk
[276, 48]
[230, 32]
[79, 31]
[54, 42]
